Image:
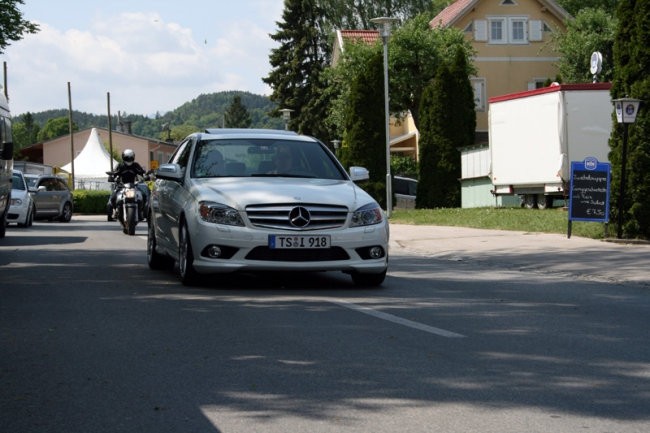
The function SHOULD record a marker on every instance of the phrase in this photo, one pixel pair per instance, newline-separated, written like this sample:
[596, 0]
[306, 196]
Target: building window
[508, 30]
[497, 35]
[518, 31]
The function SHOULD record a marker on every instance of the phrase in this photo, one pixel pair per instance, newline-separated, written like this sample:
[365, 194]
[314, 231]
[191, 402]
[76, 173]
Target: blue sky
[151, 55]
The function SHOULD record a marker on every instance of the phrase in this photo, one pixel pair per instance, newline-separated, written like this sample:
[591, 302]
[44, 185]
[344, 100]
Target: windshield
[255, 157]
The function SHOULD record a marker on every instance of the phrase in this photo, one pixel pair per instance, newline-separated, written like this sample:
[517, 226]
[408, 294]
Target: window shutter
[480, 30]
[535, 30]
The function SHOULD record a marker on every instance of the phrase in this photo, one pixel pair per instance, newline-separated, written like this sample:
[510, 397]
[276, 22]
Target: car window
[31, 181]
[60, 185]
[17, 182]
[263, 157]
[182, 154]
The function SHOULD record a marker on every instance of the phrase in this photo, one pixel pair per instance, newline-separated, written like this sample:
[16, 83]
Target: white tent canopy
[93, 161]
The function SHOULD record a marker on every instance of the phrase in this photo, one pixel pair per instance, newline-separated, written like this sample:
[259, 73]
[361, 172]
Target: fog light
[214, 252]
[376, 252]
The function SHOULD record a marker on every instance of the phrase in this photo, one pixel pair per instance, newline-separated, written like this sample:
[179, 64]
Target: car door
[167, 197]
[47, 199]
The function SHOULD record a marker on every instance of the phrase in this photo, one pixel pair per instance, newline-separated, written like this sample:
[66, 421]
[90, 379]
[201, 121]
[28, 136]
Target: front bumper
[246, 249]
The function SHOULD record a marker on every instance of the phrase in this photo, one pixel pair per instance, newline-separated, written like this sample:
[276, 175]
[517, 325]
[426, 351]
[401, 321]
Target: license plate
[299, 241]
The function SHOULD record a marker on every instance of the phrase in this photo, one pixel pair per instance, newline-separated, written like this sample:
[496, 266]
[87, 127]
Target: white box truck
[534, 136]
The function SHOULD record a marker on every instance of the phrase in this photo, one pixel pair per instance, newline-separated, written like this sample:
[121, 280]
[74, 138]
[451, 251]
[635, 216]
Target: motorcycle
[129, 203]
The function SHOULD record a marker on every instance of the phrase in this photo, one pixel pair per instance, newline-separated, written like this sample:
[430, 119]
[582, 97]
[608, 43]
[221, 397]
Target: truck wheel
[530, 201]
[544, 201]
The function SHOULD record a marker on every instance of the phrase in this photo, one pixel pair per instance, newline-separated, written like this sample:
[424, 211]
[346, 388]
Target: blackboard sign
[589, 195]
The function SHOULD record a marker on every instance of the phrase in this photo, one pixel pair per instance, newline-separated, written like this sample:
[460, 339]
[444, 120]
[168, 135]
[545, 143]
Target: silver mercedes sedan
[263, 200]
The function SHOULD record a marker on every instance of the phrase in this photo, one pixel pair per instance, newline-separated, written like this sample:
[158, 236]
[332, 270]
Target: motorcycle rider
[126, 172]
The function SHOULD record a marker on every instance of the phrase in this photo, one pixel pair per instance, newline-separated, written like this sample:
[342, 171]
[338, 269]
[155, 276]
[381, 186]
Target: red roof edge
[551, 89]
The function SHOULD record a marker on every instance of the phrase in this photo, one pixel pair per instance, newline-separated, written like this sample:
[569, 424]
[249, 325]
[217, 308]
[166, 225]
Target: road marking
[398, 320]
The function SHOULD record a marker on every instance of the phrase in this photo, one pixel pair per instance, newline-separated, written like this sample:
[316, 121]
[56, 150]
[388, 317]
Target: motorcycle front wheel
[131, 220]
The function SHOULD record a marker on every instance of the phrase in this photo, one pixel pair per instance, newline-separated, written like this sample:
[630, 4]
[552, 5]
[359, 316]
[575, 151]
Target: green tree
[444, 129]
[345, 14]
[575, 6]
[12, 24]
[56, 127]
[631, 66]
[179, 132]
[352, 64]
[415, 54]
[365, 135]
[25, 132]
[237, 116]
[298, 63]
[591, 30]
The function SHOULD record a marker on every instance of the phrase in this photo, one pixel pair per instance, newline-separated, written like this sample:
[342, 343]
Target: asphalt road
[91, 340]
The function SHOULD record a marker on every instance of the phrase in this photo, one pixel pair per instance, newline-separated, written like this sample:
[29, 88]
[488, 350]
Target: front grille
[318, 255]
[278, 216]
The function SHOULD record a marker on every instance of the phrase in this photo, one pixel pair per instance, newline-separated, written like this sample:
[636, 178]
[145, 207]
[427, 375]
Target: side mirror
[359, 173]
[169, 172]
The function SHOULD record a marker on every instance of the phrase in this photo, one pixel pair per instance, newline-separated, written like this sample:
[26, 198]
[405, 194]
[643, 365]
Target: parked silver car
[52, 197]
[21, 210]
[263, 200]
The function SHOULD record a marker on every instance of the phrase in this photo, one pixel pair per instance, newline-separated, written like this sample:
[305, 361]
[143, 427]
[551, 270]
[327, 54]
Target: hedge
[90, 202]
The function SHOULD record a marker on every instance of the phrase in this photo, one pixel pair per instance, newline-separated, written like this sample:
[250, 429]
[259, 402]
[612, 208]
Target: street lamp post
[385, 24]
[336, 144]
[286, 115]
[626, 110]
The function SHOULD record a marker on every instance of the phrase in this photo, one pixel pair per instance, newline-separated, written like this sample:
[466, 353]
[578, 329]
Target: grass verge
[517, 219]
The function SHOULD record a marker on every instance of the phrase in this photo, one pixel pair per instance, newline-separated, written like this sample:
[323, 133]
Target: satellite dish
[596, 62]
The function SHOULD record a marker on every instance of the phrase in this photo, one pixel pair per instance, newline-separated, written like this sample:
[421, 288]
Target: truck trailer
[534, 136]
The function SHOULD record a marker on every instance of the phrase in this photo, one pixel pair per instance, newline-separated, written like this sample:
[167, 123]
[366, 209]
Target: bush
[90, 202]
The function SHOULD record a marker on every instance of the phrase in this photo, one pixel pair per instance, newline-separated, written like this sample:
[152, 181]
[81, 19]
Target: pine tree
[631, 65]
[237, 116]
[297, 65]
[365, 129]
[439, 156]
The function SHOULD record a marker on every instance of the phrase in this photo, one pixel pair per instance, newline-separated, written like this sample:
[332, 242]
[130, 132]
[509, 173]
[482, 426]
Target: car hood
[239, 192]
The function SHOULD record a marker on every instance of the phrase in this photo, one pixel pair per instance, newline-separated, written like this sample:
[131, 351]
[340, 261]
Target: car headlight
[218, 213]
[16, 202]
[367, 215]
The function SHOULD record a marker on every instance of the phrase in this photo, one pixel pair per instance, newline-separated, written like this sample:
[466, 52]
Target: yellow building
[513, 45]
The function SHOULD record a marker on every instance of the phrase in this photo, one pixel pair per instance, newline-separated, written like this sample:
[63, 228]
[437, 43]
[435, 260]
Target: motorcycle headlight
[218, 213]
[129, 193]
[367, 215]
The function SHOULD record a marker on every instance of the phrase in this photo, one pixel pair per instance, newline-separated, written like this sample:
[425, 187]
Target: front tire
[3, 225]
[66, 215]
[155, 260]
[186, 272]
[131, 220]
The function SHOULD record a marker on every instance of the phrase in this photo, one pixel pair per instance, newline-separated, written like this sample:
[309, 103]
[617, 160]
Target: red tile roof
[366, 36]
[451, 13]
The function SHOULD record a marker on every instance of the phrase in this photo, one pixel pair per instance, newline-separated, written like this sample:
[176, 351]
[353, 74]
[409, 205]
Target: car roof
[247, 131]
[215, 133]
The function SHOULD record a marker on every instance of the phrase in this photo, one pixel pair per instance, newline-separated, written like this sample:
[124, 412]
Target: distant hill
[202, 112]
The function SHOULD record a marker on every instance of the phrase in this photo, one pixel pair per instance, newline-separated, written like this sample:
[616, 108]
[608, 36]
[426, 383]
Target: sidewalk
[538, 253]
